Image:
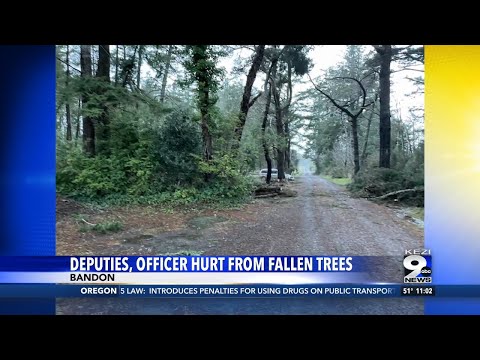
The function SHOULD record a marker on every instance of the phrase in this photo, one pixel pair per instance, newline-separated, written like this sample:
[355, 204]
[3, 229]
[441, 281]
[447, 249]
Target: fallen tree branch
[288, 193]
[86, 222]
[398, 192]
[266, 195]
[268, 189]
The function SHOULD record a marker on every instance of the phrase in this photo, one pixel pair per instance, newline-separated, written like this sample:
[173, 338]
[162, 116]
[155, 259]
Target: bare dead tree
[352, 116]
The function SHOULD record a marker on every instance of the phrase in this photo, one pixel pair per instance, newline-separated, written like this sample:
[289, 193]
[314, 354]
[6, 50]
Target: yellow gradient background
[452, 96]
[452, 159]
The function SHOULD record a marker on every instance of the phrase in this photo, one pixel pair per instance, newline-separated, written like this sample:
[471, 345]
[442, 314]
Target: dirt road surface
[323, 219]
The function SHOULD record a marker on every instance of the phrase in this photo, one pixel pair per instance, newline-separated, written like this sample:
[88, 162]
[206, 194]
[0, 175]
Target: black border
[247, 23]
[356, 321]
[362, 334]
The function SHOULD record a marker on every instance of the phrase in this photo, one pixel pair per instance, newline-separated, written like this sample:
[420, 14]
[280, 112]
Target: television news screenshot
[240, 180]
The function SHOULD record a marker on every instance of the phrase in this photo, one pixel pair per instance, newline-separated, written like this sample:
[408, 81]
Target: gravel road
[323, 219]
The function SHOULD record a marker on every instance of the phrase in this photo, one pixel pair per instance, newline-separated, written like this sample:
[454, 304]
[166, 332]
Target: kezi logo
[418, 266]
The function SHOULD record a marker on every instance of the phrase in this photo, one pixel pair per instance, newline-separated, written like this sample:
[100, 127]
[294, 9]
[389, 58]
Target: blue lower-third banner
[226, 291]
[236, 291]
[169, 291]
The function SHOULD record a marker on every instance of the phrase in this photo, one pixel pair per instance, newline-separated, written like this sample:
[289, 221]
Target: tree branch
[407, 68]
[88, 223]
[239, 47]
[379, 49]
[373, 72]
[341, 108]
[416, 81]
[420, 189]
[364, 93]
[250, 104]
[276, 56]
[70, 66]
[247, 102]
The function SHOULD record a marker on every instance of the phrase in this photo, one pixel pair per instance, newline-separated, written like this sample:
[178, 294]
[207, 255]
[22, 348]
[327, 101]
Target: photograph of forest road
[241, 150]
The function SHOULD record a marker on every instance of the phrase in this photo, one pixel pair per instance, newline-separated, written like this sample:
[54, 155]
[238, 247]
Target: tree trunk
[356, 152]
[348, 136]
[287, 150]
[165, 73]
[68, 116]
[103, 70]
[247, 92]
[88, 125]
[318, 164]
[128, 66]
[139, 70]
[352, 115]
[203, 76]
[279, 126]
[116, 66]
[367, 135]
[68, 113]
[403, 140]
[77, 128]
[412, 143]
[280, 151]
[266, 151]
[385, 52]
[205, 121]
[365, 143]
[282, 126]
[103, 120]
[207, 137]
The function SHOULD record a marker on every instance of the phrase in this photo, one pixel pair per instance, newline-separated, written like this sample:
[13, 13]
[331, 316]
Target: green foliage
[337, 171]
[142, 160]
[154, 149]
[201, 65]
[156, 165]
[414, 166]
[228, 182]
[222, 129]
[380, 181]
[85, 177]
[338, 181]
[330, 134]
[223, 167]
[296, 56]
[175, 148]
[157, 57]
[418, 213]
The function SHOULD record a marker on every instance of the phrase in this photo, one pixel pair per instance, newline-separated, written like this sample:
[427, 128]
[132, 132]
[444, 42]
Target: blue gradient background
[27, 160]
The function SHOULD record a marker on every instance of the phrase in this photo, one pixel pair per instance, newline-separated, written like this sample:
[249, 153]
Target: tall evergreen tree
[88, 122]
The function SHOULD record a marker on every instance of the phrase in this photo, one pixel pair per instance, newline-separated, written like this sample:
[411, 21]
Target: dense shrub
[380, 181]
[175, 150]
[161, 164]
[227, 180]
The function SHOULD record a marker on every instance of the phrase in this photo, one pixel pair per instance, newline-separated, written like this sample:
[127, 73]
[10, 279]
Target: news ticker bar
[236, 291]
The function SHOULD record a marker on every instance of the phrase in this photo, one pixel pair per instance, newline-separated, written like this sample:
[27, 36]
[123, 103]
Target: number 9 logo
[415, 263]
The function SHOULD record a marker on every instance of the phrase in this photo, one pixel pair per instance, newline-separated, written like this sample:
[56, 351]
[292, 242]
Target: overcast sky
[326, 56]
